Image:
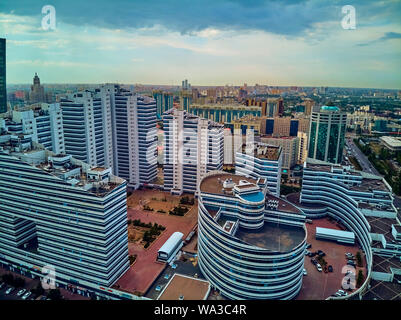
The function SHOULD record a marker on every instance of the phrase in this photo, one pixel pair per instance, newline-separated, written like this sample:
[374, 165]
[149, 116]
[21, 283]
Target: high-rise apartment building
[3, 88]
[164, 101]
[327, 134]
[43, 122]
[134, 136]
[113, 127]
[260, 160]
[87, 128]
[58, 213]
[192, 147]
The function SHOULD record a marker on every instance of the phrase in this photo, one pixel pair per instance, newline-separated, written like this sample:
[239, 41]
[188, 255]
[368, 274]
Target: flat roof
[273, 236]
[391, 141]
[284, 206]
[188, 288]
[335, 233]
[212, 184]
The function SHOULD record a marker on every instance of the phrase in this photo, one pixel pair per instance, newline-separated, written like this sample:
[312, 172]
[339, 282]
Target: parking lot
[320, 285]
[29, 285]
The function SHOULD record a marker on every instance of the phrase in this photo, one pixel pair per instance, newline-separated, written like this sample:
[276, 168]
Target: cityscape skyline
[299, 43]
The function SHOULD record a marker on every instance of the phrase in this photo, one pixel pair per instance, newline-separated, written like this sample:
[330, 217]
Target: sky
[208, 42]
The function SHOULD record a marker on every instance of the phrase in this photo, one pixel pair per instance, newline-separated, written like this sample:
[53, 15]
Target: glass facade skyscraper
[327, 133]
[3, 92]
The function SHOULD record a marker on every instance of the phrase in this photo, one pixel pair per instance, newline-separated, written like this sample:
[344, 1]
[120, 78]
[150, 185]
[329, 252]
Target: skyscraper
[87, 128]
[193, 147]
[3, 91]
[114, 127]
[134, 135]
[327, 134]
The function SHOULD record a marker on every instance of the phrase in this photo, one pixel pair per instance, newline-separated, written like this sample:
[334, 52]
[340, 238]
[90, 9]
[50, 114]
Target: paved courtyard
[319, 285]
[146, 269]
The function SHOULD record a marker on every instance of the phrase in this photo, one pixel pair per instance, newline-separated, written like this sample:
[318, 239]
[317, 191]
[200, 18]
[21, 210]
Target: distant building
[290, 149]
[283, 126]
[327, 134]
[224, 113]
[192, 147]
[164, 101]
[391, 143]
[37, 93]
[3, 87]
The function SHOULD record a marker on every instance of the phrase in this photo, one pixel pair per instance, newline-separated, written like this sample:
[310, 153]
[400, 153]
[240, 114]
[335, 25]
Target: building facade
[289, 147]
[327, 134]
[43, 122]
[3, 87]
[114, 127]
[363, 203]
[261, 160]
[239, 250]
[58, 213]
[192, 147]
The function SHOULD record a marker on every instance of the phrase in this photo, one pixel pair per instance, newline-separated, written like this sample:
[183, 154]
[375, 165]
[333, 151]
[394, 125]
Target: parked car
[313, 261]
[305, 272]
[321, 254]
[307, 252]
[9, 290]
[330, 268]
[351, 263]
[308, 246]
[26, 295]
[318, 267]
[2, 285]
[21, 292]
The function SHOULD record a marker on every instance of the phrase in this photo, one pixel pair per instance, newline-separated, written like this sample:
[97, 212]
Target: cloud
[385, 37]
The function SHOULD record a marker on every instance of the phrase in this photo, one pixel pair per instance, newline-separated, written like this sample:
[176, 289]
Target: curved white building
[243, 255]
[362, 202]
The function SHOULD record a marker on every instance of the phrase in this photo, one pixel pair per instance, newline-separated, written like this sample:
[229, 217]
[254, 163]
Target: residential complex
[43, 122]
[114, 127]
[240, 245]
[364, 204]
[260, 160]
[59, 213]
[192, 147]
[327, 134]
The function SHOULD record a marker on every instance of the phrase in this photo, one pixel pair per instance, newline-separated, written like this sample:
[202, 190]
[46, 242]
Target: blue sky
[274, 42]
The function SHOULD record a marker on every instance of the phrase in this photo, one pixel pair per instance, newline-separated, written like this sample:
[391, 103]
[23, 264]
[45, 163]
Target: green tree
[359, 259]
[360, 279]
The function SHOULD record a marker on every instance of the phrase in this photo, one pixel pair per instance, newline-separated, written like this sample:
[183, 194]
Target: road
[362, 159]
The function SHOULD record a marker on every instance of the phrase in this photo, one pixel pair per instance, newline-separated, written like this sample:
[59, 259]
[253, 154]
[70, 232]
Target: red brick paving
[319, 285]
[145, 269]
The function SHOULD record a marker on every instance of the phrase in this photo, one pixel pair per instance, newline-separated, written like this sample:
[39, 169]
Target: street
[362, 159]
